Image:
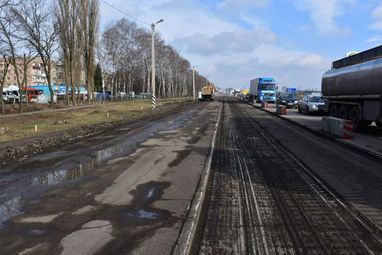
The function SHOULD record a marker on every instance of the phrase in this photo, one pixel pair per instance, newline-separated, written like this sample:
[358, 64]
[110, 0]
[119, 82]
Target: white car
[310, 104]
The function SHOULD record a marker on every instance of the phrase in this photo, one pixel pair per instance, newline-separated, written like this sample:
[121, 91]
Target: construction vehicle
[207, 92]
[352, 88]
[263, 90]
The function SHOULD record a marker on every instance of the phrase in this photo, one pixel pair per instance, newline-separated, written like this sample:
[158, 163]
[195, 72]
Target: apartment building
[34, 72]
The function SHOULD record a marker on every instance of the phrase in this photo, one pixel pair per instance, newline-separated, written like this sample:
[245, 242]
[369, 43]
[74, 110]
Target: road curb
[321, 134]
[186, 242]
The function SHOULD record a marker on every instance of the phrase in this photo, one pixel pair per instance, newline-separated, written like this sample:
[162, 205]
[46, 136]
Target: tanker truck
[352, 89]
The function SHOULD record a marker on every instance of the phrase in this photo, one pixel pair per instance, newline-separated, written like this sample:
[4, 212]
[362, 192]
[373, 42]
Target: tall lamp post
[193, 81]
[153, 63]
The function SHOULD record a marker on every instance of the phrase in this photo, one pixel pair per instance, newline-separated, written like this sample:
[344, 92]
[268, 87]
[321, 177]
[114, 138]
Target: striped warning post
[347, 129]
[339, 127]
[154, 102]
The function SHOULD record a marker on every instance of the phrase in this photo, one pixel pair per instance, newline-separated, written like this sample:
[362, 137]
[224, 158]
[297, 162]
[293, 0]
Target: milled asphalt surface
[276, 188]
[125, 191]
[355, 176]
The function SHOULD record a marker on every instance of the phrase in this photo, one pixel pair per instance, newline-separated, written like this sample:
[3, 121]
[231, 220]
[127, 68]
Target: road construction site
[276, 188]
[219, 177]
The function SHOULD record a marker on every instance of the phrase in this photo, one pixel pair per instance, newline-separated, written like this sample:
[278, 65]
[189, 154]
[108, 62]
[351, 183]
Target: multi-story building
[35, 73]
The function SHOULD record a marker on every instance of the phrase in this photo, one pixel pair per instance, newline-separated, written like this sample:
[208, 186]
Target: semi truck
[263, 90]
[352, 89]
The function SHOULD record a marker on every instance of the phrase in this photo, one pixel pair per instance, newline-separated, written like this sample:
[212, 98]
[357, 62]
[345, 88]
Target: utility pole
[193, 82]
[153, 64]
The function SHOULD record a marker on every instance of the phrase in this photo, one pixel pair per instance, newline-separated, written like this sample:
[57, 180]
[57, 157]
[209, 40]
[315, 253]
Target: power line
[125, 13]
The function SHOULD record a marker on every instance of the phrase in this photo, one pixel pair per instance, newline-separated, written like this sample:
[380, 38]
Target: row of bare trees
[125, 56]
[77, 24]
[68, 31]
[25, 31]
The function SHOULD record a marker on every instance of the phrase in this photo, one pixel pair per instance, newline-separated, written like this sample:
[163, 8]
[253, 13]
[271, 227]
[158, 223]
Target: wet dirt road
[125, 191]
[277, 189]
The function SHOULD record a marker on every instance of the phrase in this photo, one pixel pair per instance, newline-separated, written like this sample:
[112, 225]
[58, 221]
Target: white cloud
[375, 39]
[377, 16]
[226, 52]
[240, 40]
[271, 55]
[181, 18]
[323, 14]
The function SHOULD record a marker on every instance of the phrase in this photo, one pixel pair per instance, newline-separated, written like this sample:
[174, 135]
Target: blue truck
[263, 90]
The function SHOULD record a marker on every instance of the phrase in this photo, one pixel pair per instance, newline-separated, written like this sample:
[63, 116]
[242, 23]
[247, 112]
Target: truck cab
[263, 90]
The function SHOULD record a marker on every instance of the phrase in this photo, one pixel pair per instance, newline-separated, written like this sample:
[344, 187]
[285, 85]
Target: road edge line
[190, 227]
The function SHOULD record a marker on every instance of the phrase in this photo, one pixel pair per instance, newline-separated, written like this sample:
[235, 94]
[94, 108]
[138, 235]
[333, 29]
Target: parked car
[11, 96]
[310, 104]
[5, 97]
[287, 99]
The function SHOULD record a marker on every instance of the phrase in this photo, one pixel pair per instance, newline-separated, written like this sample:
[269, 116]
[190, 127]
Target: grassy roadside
[23, 126]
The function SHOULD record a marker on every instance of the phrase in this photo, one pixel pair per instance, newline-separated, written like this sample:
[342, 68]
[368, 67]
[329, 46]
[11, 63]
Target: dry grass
[23, 126]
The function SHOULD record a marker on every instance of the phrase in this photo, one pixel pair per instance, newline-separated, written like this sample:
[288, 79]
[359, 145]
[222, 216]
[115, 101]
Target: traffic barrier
[339, 127]
[281, 109]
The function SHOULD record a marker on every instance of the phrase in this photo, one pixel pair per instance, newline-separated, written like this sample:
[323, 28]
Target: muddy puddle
[28, 180]
[144, 195]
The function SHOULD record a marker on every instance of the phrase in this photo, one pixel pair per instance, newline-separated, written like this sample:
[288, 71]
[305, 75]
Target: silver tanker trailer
[352, 89]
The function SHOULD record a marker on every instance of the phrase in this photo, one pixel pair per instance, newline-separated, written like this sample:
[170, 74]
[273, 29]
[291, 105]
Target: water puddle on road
[102, 157]
[27, 180]
[9, 209]
[143, 214]
[144, 196]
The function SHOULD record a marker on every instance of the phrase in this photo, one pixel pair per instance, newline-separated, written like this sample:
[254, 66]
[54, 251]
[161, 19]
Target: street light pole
[153, 64]
[193, 81]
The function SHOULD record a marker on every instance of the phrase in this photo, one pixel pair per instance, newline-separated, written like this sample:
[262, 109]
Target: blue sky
[232, 41]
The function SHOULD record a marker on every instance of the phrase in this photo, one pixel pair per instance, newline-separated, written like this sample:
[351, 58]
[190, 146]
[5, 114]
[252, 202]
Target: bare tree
[35, 22]
[126, 58]
[89, 24]
[3, 74]
[10, 41]
[110, 52]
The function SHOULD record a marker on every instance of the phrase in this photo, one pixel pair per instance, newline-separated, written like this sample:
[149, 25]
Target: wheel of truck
[343, 113]
[355, 117]
[333, 111]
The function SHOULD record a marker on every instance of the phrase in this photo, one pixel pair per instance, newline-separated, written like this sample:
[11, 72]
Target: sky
[234, 41]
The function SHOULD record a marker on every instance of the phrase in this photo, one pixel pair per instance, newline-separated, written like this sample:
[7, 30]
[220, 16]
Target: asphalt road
[278, 189]
[125, 191]
[275, 188]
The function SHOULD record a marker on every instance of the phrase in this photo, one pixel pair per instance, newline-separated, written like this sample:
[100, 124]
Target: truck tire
[356, 119]
[333, 111]
[343, 113]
